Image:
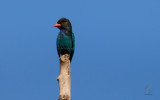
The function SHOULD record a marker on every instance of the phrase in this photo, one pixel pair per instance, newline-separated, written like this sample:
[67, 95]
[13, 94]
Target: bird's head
[64, 24]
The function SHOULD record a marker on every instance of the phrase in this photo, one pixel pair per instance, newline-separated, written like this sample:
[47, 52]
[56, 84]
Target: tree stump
[64, 78]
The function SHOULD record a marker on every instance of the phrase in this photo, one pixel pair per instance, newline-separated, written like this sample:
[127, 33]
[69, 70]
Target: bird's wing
[73, 41]
[58, 41]
[73, 46]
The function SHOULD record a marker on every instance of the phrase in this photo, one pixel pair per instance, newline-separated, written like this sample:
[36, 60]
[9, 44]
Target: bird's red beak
[57, 25]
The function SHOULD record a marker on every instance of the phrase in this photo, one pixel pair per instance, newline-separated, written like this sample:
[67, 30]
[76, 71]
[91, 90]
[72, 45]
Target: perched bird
[65, 38]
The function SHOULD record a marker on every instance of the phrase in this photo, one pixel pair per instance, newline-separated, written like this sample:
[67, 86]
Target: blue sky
[117, 49]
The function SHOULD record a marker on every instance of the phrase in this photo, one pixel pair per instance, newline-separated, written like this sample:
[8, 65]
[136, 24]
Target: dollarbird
[65, 39]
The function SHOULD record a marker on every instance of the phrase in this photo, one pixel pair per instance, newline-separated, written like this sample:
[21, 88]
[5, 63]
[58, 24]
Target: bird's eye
[63, 23]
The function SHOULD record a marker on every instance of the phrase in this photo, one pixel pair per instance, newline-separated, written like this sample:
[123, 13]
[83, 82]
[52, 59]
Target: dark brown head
[65, 24]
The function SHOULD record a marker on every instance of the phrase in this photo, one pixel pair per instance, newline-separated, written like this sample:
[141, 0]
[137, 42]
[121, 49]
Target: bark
[64, 78]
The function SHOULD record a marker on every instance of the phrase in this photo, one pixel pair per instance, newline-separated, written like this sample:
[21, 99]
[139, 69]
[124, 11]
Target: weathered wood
[64, 78]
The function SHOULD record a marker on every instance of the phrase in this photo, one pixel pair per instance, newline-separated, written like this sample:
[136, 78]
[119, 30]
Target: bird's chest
[65, 41]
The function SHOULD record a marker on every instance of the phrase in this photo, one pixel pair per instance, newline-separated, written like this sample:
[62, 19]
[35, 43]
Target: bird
[65, 38]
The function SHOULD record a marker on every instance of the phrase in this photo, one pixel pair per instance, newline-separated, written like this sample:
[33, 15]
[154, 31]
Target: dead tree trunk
[64, 78]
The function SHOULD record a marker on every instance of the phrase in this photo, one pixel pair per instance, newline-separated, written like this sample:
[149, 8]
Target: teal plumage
[65, 38]
[65, 44]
